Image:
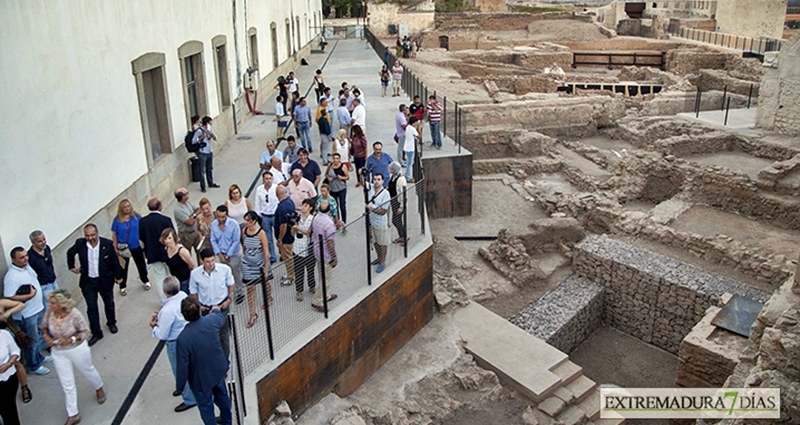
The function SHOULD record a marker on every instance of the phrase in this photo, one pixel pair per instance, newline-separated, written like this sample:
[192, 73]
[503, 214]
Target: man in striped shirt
[435, 120]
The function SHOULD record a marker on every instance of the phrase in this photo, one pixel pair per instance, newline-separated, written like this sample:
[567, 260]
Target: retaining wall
[566, 315]
[652, 297]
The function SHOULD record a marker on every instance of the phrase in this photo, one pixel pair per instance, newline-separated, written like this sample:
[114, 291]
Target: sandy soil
[736, 161]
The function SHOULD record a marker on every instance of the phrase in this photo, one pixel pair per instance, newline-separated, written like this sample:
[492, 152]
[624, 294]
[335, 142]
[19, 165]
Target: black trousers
[91, 290]
[397, 218]
[137, 255]
[8, 400]
[304, 266]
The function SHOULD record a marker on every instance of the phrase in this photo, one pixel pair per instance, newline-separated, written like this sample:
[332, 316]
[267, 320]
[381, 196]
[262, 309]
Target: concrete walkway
[120, 358]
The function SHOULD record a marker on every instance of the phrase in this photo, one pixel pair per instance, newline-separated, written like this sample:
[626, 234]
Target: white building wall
[72, 139]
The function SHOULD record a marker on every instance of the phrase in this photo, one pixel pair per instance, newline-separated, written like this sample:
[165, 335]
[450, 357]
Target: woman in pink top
[65, 330]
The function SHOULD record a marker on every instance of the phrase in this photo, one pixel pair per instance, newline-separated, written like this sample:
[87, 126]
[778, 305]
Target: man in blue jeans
[302, 122]
[21, 284]
[206, 153]
[167, 324]
[435, 121]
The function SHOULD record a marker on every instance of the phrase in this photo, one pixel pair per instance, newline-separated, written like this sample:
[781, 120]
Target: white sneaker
[41, 371]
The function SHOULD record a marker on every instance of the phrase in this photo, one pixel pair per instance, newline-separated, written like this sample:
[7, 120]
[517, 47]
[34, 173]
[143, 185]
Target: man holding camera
[21, 284]
[285, 218]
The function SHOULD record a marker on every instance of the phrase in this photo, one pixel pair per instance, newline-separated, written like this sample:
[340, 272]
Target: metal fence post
[444, 115]
[266, 318]
[232, 328]
[728, 109]
[724, 95]
[366, 223]
[322, 276]
[405, 222]
[750, 96]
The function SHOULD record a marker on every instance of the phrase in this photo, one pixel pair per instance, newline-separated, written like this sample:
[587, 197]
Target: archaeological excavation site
[624, 210]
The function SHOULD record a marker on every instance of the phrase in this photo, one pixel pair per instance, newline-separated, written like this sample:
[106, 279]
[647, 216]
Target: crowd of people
[203, 259]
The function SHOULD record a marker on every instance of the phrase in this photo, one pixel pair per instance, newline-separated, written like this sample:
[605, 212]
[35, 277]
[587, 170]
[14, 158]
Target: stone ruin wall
[649, 296]
[779, 109]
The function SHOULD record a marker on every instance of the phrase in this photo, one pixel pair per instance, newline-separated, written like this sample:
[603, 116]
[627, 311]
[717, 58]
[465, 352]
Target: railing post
[405, 217]
[322, 276]
[444, 115]
[366, 223]
[236, 352]
[724, 95]
[460, 124]
[750, 96]
[697, 103]
[728, 109]
[266, 317]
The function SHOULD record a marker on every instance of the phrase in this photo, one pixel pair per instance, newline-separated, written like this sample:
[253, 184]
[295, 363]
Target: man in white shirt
[212, 285]
[265, 204]
[280, 117]
[294, 83]
[409, 147]
[359, 115]
[167, 324]
[20, 275]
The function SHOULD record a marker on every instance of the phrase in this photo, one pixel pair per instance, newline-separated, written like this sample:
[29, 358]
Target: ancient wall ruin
[382, 15]
[762, 18]
[779, 109]
[649, 296]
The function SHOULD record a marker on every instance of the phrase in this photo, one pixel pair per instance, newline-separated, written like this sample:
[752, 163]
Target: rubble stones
[449, 293]
[566, 315]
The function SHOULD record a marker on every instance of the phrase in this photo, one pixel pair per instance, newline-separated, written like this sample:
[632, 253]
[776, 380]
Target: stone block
[553, 406]
[572, 416]
[582, 388]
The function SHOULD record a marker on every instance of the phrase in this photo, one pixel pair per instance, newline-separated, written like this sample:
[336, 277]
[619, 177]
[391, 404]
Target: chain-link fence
[286, 315]
[755, 46]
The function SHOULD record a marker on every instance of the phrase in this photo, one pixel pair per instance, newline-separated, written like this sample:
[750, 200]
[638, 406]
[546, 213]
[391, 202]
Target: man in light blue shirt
[302, 122]
[212, 285]
[19, 275]
[343, 116]
[226, 240]
[167, 324]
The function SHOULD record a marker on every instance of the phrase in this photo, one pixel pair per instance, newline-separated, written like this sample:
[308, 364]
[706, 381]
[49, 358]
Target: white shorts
[380, 235]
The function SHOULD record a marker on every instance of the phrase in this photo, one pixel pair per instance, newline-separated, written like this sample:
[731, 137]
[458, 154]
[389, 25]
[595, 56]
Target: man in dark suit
[201, 362]
[150, 228]
[99, 268]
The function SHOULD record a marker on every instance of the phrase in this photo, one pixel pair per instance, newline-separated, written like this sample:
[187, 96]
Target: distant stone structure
[778, 108]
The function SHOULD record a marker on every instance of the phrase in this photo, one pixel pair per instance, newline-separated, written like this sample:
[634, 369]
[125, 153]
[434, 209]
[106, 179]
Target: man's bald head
[276, 163]
[154, 205]
[280, 192]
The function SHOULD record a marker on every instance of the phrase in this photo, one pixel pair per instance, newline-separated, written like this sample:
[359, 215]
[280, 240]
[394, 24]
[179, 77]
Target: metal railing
[754, 46]
[452, 113]
[283, 318]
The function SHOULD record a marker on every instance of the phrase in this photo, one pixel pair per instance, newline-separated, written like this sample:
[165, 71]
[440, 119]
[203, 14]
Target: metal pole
[699, 102]
[749, 96]
[455, 132]
[366, 223]
[266, 318]
[724, 95]
[460, 124]
[405, 216]
[726, 112]
[322, 275]
[237, 353]
[444, 115]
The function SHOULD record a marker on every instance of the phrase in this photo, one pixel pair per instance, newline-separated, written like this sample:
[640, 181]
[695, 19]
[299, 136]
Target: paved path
[120, 358]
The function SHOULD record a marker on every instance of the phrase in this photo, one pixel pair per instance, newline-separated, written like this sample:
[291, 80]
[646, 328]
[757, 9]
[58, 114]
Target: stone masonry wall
[649, 296]
[779, 109]
[566, 315]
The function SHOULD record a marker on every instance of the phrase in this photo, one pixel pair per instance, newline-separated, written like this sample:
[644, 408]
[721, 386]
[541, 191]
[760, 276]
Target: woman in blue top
[125, 234]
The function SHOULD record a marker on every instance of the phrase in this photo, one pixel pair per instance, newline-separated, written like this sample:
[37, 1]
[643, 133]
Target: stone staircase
[532, 367]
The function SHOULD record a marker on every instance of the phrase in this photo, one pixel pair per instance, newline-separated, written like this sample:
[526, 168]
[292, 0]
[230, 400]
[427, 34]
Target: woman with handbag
[125, 235]
[65, 330]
